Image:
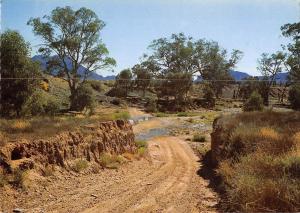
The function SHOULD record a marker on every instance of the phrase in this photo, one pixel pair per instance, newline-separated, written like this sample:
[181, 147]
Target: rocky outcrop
[115, 137]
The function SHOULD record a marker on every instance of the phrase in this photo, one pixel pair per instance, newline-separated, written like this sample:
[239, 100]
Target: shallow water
[151, 133]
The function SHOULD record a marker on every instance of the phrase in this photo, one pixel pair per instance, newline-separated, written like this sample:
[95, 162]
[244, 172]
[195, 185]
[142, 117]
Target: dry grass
[261, 162]
[111, 161]
[44, 127]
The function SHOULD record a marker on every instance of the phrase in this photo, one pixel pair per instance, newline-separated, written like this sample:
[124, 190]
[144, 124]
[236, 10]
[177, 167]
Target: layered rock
[115, 137]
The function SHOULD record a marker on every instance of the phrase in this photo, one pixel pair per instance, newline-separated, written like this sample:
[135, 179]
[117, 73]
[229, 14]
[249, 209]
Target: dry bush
[260, 164]
[111, 161]
[80, 165]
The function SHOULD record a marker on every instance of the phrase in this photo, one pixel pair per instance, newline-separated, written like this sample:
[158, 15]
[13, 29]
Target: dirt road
[165, 181]
[171, 185]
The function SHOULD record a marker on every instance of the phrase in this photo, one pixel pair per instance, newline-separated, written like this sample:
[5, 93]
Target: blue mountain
[81, 70]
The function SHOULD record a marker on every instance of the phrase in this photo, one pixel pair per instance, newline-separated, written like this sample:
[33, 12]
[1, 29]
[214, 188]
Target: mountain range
[236, 75]
[94, 76]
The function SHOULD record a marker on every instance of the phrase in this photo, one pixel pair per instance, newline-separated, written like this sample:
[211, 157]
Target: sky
[252, 26]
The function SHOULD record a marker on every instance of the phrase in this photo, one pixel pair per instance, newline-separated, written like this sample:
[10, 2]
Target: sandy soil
[165, 181]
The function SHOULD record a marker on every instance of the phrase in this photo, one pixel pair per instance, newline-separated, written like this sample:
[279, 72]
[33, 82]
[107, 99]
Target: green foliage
[21, 72]
[294, 96]
[254, 103]
[83, 98]
[293, 31]
[142, 77]
[209, 96]
[248, 86]
[72, 35]
[110, 161]
[151, 106]
[96, 85]
[270, 66]
[123, 83]
[141, 143]
[121, 115]
[182, 114]
[199, 138]
[80, 165]
[41, 103]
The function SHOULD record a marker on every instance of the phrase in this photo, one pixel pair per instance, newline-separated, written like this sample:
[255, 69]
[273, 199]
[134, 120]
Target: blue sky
[252, 26]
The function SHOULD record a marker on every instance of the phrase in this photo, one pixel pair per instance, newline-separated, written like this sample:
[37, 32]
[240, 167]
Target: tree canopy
[72, 35]
[19, 75]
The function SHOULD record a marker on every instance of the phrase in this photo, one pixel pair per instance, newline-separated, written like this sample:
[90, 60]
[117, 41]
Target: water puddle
[151, 133]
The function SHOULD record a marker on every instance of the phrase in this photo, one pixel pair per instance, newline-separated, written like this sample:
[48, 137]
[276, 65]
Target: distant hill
[237, 75]
[94, 76]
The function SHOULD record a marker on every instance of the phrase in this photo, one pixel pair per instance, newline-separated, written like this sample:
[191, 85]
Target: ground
[166, 180]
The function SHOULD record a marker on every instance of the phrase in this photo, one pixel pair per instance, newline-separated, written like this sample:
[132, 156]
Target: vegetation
[270, 66]
[80, 165]
[254, 103]
[199, 138]
[83, 98]
[123, 83]
[73, 36]
[110, 161]
[294, 96]
[259, 162]
[20, 75]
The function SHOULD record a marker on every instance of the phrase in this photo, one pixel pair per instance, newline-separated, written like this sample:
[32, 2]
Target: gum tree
[73, 36]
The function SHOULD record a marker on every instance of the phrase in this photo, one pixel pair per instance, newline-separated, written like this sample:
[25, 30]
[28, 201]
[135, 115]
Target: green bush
[151, 106]
[96, 85]
[83, 98]
[182, 114]
[141, 143]
[253, 103]
[199, 138]
[294, 97]
[209, 97]
[41, 103]
[80, 165]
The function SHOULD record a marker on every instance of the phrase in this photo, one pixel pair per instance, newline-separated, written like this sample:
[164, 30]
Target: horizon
[131, 25]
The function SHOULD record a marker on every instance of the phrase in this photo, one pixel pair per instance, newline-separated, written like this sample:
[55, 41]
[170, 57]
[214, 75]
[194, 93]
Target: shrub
[209, 97]
[121, 116]
[151, 106]
[182, 114]
[253, 103]
[141, 143]
[83, 98]
[18, 126]
[96, 85]
[294, 97]
[3, 180]
[116, 101]
[110, 161]
[259, 162]
[41, 103]
[80, 165]
[18, 178]
[199, 138]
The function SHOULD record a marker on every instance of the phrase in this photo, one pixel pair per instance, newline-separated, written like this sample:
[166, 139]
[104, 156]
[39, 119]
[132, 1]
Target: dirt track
[166, 181]
[171, 185]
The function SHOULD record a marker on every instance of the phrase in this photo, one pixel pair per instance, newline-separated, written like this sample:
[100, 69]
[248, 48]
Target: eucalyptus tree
[74, 37]
[142, 77]
[293, 58]
[269, 66]
[171, 62]
[213, 64]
